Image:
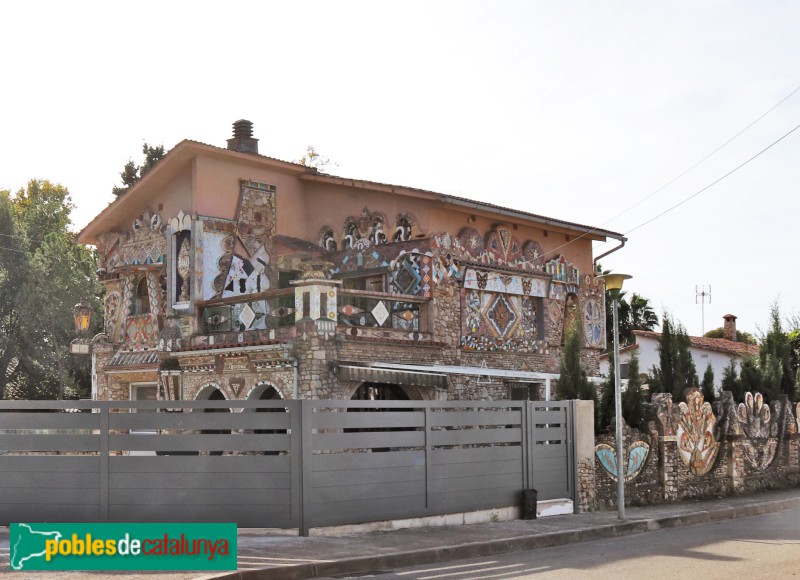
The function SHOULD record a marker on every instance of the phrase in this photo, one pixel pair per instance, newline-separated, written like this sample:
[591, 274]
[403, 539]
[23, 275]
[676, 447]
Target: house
[233, 275]
[717, 351]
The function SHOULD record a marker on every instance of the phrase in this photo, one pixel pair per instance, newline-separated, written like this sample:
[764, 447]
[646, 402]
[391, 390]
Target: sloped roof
[130, 359]
[725, 346]
[183, 151]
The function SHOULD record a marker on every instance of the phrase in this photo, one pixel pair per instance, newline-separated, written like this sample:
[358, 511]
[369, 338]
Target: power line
[716, 181]
[674, 179]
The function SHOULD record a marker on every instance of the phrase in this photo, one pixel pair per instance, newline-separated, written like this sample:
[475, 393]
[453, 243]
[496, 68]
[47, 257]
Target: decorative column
[315, 300]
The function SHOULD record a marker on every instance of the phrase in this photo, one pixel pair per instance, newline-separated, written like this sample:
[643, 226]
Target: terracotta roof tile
[714, 344]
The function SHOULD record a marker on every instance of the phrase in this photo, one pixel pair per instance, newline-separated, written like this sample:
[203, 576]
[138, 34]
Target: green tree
[634, 314]
[731, 381]
[43, 273]
[744, 337]
[676, 371]
[573, 382]
[131, 172]
[632, 410]
[707, 386]
[750, 374]
[606, 410]
[776, 359]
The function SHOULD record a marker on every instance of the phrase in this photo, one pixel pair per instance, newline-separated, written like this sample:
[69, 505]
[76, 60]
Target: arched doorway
[267, 392]
[379, 392]
[212, 393]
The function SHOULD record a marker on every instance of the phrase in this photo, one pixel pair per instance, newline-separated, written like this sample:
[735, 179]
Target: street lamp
[614, 287]
[82, 313]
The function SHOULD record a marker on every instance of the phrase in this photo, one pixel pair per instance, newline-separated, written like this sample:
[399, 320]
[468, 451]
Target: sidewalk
[269, 557]
[263, 556]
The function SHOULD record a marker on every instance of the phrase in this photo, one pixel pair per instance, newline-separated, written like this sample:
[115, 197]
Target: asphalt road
[758, 547]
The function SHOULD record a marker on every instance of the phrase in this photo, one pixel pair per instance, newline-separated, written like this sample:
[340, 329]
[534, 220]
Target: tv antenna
[700, 293]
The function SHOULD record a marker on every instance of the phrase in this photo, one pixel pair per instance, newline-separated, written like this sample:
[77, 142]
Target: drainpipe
[603, 255]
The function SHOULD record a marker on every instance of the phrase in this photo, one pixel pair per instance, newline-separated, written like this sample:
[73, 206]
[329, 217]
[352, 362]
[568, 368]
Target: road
[758, 547]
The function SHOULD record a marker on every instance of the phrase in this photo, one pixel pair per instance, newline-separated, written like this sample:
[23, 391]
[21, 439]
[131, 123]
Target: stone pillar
[669, 460]
[736, 469]
[584, 456]
[316, 314]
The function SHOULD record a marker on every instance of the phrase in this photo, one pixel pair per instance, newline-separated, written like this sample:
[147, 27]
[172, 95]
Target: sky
[578, 110]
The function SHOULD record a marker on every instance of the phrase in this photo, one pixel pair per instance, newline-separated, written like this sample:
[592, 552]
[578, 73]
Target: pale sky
[574, 110]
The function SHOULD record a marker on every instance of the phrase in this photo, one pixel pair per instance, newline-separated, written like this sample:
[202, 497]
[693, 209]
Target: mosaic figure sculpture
[697, 445]
[760, 427]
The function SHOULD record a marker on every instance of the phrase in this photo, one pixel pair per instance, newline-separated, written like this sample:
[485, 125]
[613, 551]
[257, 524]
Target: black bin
[529, 500]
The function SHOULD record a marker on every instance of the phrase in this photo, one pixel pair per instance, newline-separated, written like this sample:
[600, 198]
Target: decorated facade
[231, 275]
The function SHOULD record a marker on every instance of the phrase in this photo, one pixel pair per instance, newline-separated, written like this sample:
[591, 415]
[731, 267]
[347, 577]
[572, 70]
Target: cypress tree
[708, 385]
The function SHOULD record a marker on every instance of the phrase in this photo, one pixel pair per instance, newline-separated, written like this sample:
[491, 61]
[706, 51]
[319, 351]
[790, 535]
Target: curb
[385, 562]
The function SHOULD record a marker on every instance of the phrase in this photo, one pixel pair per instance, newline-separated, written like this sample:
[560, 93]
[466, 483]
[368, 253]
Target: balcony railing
[375, 311]
[266, 312]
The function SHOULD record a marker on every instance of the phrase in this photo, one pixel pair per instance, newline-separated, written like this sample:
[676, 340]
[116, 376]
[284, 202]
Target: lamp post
[82, 314]
[614, 287]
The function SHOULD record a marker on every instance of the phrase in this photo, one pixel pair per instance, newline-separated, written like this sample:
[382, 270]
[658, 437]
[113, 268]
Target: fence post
[103, 456]
[428, 451]
[306, 433]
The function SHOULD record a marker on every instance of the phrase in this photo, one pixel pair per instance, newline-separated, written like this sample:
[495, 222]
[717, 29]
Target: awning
[392, 376]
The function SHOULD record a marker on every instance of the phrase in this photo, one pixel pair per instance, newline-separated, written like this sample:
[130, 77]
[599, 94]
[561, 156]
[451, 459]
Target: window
[140, 303]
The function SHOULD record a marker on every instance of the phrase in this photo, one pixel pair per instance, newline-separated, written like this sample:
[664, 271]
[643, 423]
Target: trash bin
[529, 500]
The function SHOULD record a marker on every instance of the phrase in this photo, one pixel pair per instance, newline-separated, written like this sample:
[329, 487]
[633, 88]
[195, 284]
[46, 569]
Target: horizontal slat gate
[302, 464]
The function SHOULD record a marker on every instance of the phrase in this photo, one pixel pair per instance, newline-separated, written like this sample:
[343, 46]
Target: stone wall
[694, 450]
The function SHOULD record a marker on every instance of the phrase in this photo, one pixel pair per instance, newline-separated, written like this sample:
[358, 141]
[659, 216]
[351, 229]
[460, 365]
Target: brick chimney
[729, 328]
[243, 140]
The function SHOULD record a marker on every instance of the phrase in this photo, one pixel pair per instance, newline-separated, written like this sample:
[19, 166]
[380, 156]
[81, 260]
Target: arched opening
[211, 393]
[378, 392]
[141, 299]
[267, 392]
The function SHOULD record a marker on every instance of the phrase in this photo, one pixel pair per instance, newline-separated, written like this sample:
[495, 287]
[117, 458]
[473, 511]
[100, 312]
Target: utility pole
[700, 292]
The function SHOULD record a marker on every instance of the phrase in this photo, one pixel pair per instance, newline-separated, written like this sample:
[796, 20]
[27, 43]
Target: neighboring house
[233, 275]
[717, 351]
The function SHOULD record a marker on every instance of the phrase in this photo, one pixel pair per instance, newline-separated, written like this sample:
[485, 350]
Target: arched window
[140, 304]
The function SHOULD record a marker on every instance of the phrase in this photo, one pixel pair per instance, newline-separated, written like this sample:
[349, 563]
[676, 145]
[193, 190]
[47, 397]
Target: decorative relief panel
[697, 443]
[495, 321]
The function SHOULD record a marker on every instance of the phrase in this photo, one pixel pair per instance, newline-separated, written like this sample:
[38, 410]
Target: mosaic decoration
[145, 244]
[250, 271]
[556, 312]
[326, 239]
[637, 456]
[216, 253]
[758, 424]
[107, 248]
[593, 324]
[359, 311]
[562, 270]
[501, 248]
[111, 312]
[697, 445]
[367, 226]
[141, 331]
[505, 283]
[405, 276]
[495, 321]
[663, 406]
[403, 228]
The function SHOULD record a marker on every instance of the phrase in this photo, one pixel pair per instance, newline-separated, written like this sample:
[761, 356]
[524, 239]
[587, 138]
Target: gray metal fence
[285, 464]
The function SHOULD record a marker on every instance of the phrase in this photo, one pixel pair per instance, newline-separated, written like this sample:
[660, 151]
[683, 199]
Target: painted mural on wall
[637, 455]
[697, 444]
[761, 428]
